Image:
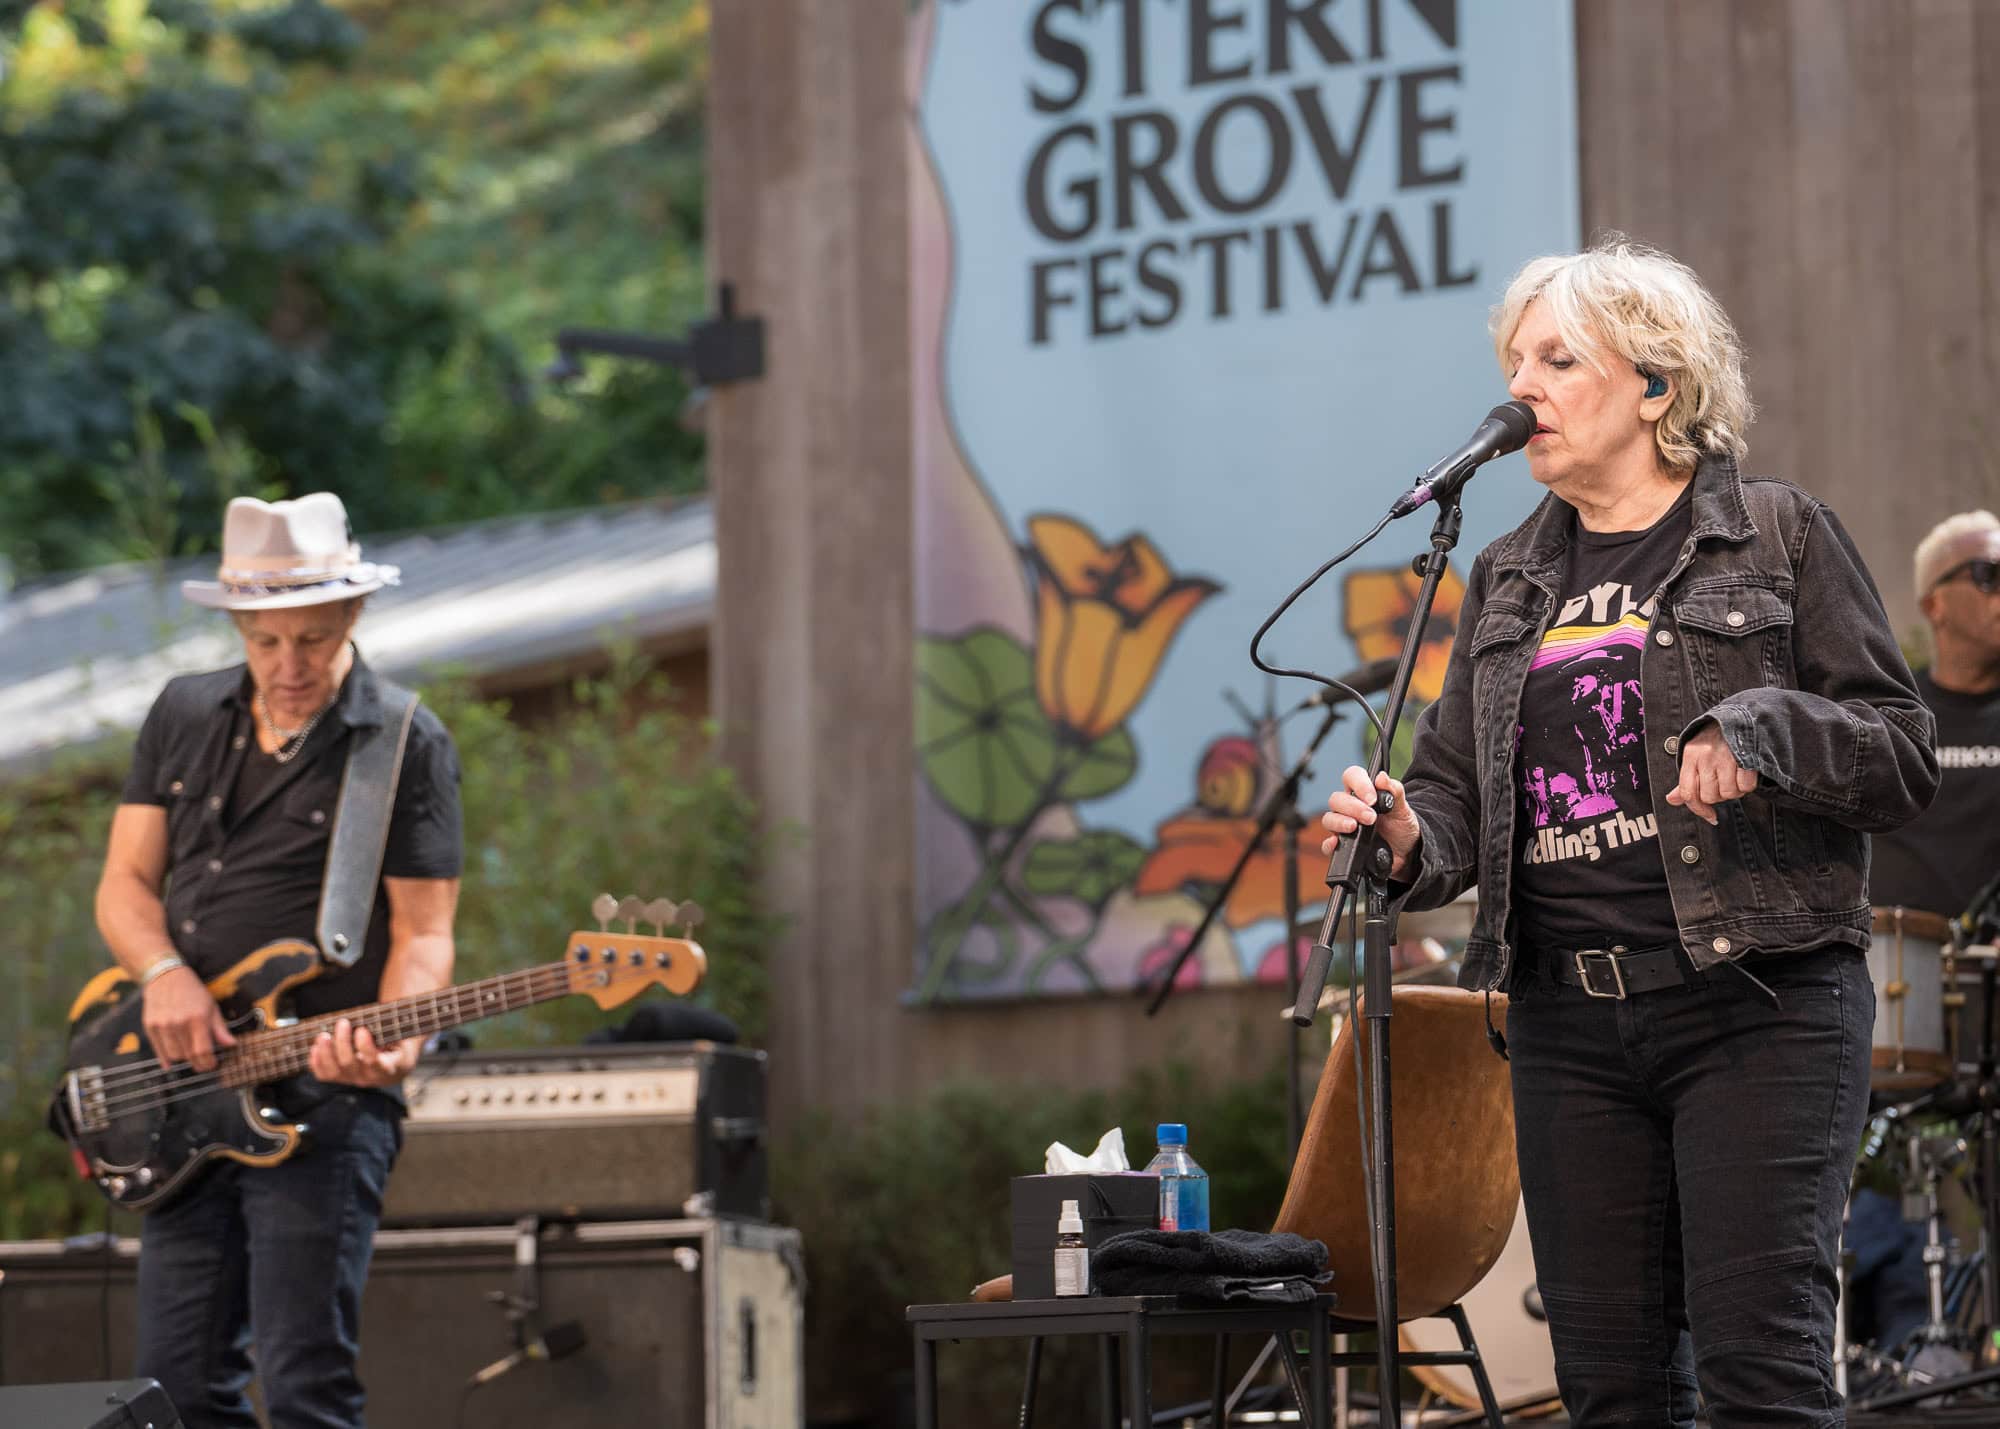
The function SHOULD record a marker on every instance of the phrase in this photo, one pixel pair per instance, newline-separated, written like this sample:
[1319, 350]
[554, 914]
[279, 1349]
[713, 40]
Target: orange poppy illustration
[1201, 845]
[1379, 605]
[1105, 616]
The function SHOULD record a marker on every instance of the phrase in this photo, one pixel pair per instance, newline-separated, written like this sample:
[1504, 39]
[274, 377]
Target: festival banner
[1197, 288]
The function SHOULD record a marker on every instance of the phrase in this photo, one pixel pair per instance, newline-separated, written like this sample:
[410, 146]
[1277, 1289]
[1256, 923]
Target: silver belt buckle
[1610, 956]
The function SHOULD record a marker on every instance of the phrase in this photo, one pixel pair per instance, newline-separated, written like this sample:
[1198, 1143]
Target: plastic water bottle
[1183, 1185]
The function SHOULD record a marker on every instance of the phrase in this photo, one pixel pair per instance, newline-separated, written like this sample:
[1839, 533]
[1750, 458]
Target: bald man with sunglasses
[1939, 860]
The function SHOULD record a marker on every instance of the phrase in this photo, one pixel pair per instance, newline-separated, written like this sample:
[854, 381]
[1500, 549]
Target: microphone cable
[1310, 581]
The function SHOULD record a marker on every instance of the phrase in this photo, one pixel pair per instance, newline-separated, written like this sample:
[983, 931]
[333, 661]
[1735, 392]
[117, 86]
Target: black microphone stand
[1360, 872]
[1282, 804]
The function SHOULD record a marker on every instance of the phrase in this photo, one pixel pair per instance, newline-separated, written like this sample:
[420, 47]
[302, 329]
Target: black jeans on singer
[1685, 1158]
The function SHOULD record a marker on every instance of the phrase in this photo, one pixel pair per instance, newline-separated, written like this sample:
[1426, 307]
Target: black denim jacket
[1768, 625]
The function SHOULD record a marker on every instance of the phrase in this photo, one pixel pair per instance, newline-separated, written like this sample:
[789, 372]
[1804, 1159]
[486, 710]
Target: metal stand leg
[1341, 1381]
[1321, 1413]
[1028, 1388]
[1218, 1403]
[1107, 1379]
[1139, 1377]
[1456, 1314]
[927, 1405]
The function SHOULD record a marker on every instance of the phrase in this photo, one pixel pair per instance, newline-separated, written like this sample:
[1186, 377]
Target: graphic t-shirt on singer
[1587, 869]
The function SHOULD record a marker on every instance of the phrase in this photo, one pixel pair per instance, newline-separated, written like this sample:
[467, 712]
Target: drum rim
[1912, 923]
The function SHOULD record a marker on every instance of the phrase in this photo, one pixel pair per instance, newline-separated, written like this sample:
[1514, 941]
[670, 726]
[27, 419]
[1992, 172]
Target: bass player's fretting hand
[182, 1021]
[347, 1053]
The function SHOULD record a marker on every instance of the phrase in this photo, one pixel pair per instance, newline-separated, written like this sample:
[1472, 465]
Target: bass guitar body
[143, 1131]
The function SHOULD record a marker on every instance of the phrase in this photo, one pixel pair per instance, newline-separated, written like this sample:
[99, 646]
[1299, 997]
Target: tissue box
[1112, 1203]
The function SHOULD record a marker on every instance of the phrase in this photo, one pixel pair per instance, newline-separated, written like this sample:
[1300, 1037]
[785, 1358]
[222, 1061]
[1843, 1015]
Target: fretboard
[283, 1051]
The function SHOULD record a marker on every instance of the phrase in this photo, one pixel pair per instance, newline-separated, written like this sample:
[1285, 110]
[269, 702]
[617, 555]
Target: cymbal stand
[1931, 1158]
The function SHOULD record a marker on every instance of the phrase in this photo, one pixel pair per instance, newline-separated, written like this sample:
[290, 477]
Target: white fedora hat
[278, 554]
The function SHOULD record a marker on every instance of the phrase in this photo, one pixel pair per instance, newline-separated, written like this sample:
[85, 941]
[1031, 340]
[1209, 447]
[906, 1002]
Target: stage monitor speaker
[108, 1404]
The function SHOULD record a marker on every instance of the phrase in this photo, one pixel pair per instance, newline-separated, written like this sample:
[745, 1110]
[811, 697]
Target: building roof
[82, 656]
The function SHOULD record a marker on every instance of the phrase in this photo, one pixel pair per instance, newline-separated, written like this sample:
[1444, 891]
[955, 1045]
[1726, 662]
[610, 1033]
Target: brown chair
[1457, 1184]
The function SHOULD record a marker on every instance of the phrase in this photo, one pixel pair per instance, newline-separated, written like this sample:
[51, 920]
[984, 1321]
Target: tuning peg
[631, 908]
[603, 908]
[659, 913]
[689, 916]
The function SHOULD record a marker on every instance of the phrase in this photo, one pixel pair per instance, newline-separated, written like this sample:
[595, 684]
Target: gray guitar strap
[361, 828]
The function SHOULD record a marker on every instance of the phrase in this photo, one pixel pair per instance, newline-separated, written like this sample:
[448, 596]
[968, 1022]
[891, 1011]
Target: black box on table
[1111, 1203]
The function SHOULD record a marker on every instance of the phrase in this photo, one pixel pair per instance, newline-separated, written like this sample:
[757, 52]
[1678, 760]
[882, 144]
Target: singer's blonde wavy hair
[1643, 307]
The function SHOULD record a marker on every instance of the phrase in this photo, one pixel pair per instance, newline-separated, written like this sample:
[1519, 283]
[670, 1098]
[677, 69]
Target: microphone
[1370, 679]
[1506, 429]
[563, 1338]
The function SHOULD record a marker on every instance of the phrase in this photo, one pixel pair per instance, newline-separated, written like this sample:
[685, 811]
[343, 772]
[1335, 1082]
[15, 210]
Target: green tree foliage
[618, 794]
[206, 216]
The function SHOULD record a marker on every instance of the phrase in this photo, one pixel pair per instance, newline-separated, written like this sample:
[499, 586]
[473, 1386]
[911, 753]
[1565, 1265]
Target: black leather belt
[1617, 973]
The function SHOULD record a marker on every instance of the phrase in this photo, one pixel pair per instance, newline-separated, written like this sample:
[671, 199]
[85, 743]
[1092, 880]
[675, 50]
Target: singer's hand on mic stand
[1352, 805]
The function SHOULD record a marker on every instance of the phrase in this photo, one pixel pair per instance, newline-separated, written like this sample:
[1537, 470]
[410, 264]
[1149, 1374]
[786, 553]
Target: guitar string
[292, 1043]
[275, 1040]
[397, 1012]
[428, 1001]
[131, 1090]
[176, 1086]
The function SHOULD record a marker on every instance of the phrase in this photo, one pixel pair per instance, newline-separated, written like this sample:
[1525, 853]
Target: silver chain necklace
[290, 741]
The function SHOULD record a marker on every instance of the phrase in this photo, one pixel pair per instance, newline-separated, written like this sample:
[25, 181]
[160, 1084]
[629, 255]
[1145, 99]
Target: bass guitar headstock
[611, 967]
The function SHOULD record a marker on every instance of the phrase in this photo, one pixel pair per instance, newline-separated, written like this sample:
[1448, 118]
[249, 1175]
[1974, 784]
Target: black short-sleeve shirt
[1587, 872]
[247, 836]
[1943, 857]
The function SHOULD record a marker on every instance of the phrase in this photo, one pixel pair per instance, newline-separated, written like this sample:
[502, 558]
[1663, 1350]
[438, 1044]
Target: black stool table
[1134, 1318]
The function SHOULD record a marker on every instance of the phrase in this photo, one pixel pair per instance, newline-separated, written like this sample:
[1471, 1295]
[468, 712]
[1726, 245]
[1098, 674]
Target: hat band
[240, 581]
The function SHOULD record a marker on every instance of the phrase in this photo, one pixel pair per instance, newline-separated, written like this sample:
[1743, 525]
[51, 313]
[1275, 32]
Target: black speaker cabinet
[111, 1404]
[690, 1324]
[686, 1324]
[66, 1311]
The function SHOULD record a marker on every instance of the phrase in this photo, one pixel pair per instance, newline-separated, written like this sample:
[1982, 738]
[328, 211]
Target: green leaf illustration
[984, 743]
[1092, 867]
[1107, 766]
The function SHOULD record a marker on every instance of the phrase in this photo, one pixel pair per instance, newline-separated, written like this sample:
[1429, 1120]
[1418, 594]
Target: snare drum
[1907, 962]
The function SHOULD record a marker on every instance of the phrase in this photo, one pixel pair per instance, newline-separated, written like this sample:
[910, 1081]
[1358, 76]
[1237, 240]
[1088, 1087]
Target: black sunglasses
[1983, 573]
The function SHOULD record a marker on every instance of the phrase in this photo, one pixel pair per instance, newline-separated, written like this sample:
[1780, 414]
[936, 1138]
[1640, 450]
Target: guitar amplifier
[641, 1131]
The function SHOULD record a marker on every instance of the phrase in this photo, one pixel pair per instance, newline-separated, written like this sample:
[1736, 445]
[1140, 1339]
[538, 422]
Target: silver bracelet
[164, 965]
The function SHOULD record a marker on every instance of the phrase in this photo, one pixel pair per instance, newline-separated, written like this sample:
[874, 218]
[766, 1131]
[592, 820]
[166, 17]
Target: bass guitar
[142, 1131]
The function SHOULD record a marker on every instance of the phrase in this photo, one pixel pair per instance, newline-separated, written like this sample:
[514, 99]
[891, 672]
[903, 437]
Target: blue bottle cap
[1171, 1133]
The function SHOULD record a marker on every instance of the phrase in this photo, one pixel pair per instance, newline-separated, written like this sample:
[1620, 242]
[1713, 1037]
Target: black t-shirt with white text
[1587, 869]
[1945, 855]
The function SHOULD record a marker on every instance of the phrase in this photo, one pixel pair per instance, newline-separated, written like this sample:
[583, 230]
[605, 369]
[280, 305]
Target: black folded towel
[1256, 1267]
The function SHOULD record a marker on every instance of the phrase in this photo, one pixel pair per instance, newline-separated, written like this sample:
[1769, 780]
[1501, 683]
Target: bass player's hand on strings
[182, 1021]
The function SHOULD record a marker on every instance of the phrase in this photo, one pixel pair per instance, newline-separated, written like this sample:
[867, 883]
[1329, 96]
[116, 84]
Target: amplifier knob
[532, 1096]
[486, 1099]
[507, 1096]
[576, 1094]
[597, 1094]
[461, 1097]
